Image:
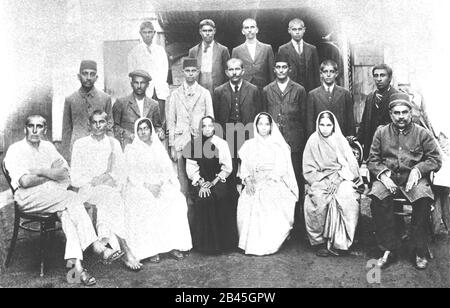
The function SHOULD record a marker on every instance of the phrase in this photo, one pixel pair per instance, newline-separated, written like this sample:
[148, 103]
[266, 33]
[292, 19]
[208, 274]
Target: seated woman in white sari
[332, 175]
[156, 210]
[266, 206]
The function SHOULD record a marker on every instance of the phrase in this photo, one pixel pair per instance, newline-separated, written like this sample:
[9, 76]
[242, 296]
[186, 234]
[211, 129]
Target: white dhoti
[52, 197]
[110, 212]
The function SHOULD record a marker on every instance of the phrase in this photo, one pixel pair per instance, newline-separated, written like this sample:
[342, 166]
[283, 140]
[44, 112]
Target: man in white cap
[401, 158]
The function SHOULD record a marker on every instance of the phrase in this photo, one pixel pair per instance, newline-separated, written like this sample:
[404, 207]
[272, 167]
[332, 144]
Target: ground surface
[295, 265]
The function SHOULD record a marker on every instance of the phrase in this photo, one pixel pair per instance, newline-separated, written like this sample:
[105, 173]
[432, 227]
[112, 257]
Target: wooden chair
[47, 225]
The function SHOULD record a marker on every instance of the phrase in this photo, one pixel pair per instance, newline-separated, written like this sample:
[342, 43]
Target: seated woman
[208, 165]
[267, 204]
[156, 210]
[332, 175]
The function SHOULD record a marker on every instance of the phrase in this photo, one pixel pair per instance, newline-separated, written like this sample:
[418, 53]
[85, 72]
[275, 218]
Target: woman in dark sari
[209, 165]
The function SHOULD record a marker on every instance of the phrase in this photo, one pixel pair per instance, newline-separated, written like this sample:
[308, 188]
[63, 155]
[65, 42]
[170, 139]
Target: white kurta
[155, 225]
[50, 197]
[90, 158]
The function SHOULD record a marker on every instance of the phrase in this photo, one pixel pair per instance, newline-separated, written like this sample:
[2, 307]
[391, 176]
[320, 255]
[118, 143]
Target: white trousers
[52, 197]
[110, 212]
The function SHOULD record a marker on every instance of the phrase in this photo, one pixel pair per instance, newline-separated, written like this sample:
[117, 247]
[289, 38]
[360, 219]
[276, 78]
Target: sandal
[155, 259]
[87, 279]
[116, 255]
[323, 252]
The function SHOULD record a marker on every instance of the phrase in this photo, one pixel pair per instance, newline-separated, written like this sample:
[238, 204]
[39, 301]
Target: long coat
[288, 109]
[373, 117]
[126, 112]
[311, 65]
[77, 109]
[219, 63]
[249, 102]
[260, 71]
[400, 152]
[341, 105]
[184, 114]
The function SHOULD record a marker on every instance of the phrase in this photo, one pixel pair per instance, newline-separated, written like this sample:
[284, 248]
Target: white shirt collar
[326, 87]
[239, 85]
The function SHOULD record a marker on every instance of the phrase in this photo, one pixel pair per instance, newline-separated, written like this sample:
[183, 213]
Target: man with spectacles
[330, 96]
[152, 58]
[80, 105]
[211, 57]
[303, 56]
[285, 100]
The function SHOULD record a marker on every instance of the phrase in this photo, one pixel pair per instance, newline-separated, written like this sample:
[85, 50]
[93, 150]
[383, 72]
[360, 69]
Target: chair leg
[43, 243]
[12, 245]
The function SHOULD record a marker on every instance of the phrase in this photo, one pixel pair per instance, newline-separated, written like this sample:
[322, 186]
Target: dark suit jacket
[341, 106]
[370, 122]
[77, 109]
[260, 71]
[125, 113]
[312, 64]
[249, 101]
[220, 57]
[288, 111]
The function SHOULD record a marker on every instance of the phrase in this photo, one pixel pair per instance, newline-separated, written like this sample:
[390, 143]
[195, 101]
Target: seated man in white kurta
[97, 171]
[40, 177]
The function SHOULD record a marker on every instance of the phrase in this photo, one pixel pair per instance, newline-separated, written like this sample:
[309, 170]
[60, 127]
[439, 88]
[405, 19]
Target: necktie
[206, 47]
[300, 48]
[149, 49]
[378, 99]
[236, 89]
[329, 94]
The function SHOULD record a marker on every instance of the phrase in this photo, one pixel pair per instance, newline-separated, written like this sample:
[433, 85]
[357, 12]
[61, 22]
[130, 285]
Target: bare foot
[132, 263]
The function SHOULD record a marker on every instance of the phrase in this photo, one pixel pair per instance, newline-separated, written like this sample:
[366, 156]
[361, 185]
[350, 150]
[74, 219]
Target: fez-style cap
[189, 62]
[140, 73]
[88, 65]
[399, 99]
[147, 25]
[281, 57]
[207, 22]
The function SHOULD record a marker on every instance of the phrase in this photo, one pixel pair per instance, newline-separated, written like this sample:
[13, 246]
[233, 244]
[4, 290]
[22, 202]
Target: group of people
[249, 148]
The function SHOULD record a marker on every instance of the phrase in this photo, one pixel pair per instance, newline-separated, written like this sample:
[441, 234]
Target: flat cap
[207, 22]
[399, 99]
[140, 73]
[88, 65]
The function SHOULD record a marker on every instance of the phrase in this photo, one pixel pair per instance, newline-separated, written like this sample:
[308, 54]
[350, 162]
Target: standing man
[211, 57]
[285, 100]
[40, 177]
[80, 105]
[127, 110]
[236, 102]
[98, 172]
[153, 59]
[303, 56]
[256, 56]
[187, 105]
[330, 96]
[376, 109]
[401, 158]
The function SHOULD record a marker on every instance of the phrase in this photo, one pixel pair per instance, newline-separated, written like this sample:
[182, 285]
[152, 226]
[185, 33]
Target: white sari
[155, 224]
[266, 217]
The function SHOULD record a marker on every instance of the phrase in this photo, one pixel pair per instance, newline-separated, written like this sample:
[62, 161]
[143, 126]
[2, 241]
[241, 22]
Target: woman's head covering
[328, 154]
[195, 149]
[275, 139]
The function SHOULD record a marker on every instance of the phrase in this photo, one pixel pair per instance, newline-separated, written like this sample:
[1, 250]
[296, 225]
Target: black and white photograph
[226, 150]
